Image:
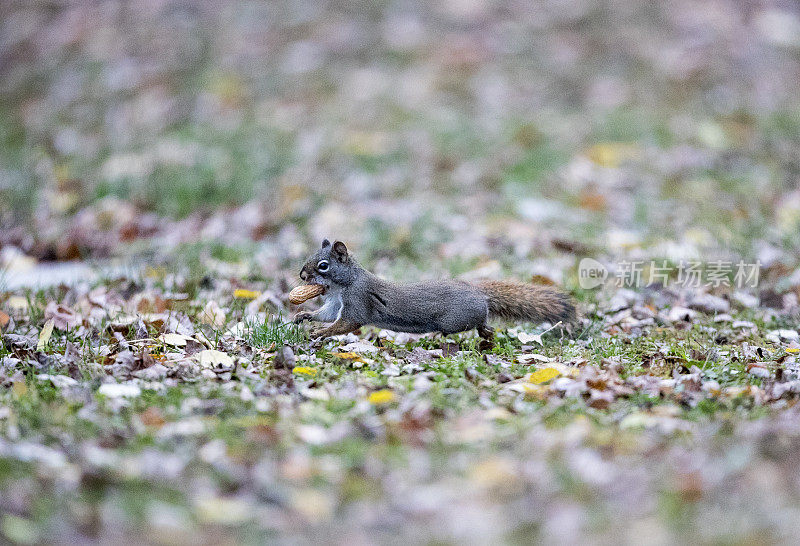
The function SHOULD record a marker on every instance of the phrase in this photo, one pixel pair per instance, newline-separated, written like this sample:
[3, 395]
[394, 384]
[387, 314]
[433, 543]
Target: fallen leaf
[543, 375]
[119, 390]
[690, 486]
[347, 356]
[243, 294]
[62, 316]
[525, 337]
[383, 396]
[4, 319]
[19, 388]
[144, 360]
[450, 349]
[211, 358]
[58, 381]
[304, 370]
[600, 399]
[759, 369]
[611, 154]
[44, 335]
[193, 347]
[157, 273]
[496, 361]
[359, 347]
[494, 472]
[176, 340]
[212, 314]
[72, 358]
[530, 390]
[592, 200]
[313, 505]
[150, 303]
[17, 303]
[525, 358]
[221, 510]
[152, 417]
[785, 335]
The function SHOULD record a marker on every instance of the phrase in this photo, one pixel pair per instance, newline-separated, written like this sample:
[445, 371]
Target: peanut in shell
[305, 292]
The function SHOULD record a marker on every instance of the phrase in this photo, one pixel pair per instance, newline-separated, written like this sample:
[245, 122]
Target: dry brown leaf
[212, 314]
[152, 417]
[62, 316]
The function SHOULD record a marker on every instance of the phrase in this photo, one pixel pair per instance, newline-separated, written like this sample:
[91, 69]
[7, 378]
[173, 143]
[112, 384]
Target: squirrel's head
[330, 265]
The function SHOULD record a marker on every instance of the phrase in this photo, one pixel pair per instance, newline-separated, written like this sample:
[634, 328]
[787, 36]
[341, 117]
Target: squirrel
[354, 297]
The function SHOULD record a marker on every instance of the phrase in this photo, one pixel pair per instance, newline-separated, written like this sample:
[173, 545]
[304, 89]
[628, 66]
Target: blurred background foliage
[617, 123]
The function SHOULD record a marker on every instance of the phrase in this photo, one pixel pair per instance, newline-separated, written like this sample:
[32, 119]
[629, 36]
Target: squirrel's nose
[303, 274]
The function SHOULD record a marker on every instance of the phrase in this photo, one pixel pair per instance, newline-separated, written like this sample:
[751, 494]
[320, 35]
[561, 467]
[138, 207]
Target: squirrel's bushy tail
[531, 302]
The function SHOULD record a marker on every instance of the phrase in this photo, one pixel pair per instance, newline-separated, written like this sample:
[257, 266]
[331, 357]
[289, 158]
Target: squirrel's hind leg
[485, 331]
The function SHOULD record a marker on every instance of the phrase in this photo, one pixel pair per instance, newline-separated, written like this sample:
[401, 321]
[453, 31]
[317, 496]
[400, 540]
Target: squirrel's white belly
[331, 309]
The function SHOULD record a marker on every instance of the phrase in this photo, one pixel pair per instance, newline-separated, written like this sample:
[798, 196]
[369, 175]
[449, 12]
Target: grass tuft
[274, 331]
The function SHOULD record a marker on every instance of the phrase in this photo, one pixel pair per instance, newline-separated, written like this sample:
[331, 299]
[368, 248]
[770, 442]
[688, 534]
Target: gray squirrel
[354, 297]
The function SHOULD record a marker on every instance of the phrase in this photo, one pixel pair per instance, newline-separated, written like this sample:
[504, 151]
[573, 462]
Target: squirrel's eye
[322, 266]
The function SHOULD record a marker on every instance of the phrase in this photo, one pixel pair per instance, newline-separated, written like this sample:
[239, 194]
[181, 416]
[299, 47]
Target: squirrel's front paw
[301, 316]
[318, 333]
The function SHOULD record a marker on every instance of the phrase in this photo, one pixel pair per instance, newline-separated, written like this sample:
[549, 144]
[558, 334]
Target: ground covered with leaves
[166, 167]
[151, 408]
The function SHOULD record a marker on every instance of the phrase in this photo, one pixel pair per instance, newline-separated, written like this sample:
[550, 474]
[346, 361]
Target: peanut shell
[299, 294]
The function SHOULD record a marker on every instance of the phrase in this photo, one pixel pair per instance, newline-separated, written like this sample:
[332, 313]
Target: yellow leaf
[543, 376]
[348, 356]
[534, 391]
[157, 273]
[305, 370]
[244, 294]
[19, 388]
[610, 154]
[792, 350]
[383, 396]
[44, 335]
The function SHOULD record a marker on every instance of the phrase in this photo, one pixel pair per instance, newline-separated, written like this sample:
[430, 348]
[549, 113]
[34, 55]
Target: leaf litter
[174, 402]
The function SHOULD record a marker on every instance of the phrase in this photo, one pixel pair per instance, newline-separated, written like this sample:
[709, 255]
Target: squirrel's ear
[340, 251]
[325, 243]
